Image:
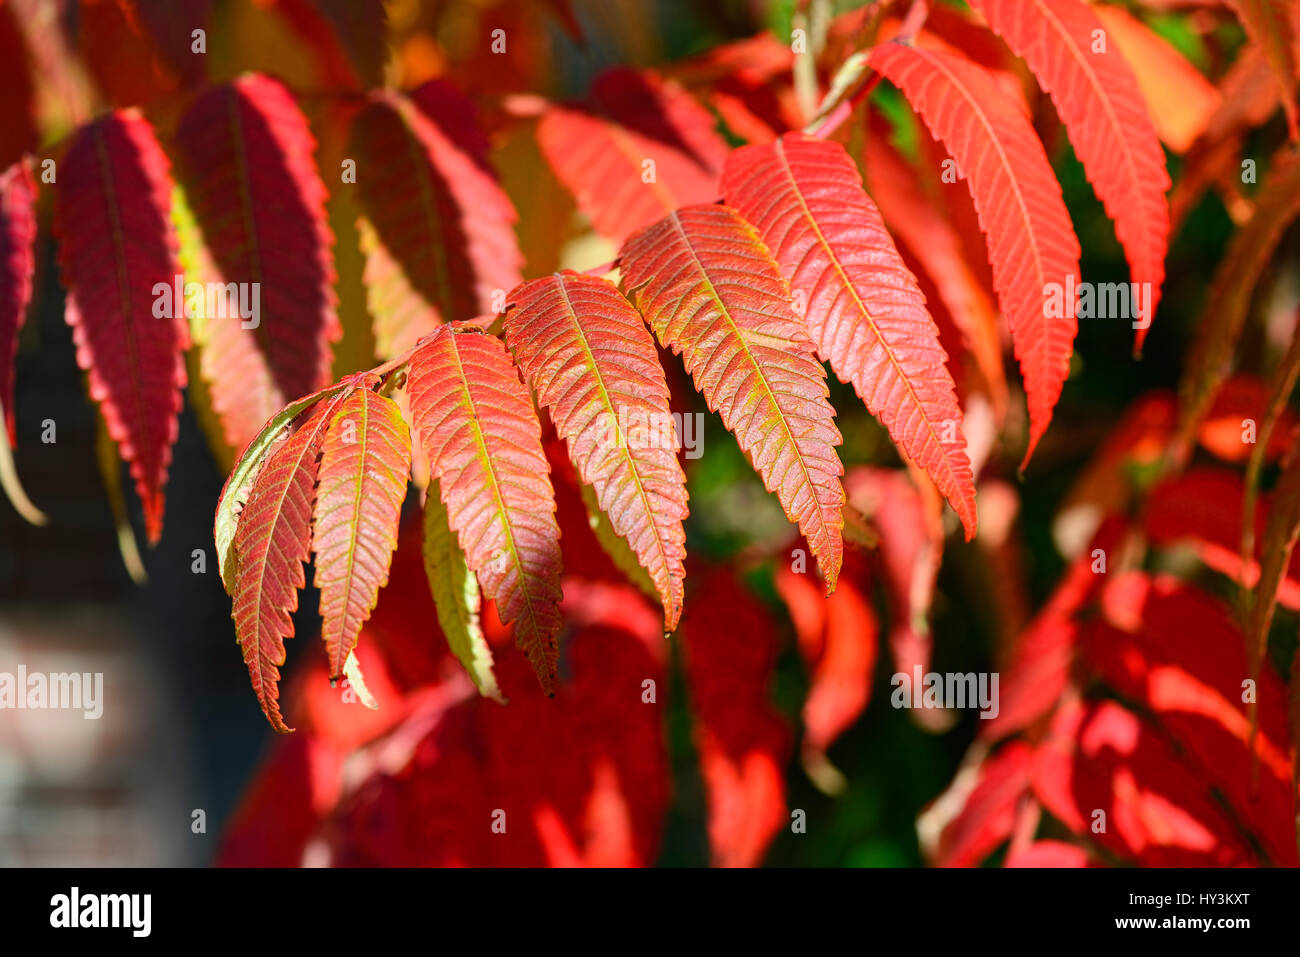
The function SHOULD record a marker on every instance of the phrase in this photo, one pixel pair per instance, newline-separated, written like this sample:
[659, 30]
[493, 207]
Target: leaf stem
[909, 28]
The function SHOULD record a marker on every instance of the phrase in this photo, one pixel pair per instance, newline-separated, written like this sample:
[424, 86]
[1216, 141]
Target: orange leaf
[365, 462]
[713, 294]
[591, 362]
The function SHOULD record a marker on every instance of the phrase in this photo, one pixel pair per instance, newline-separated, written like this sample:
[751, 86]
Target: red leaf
[1202, 509]
[1176, 650]
[437, 230]
[713, 294]
[837, 639]
[1242, 402]
[477, 424]
[364, 465]
[17, 263]
[729, 651]
[593, 365]
[1103, 758]
[17, 91]
[1032, 246]
[113, 181]
[1048, 854]
[988, 808]
[863, 306]
[1179, 98]
[1038, 673]
[600, 151]
[120, 55]
[929, 235]
[909, 555]
[1270, 25]
[1098, 99]
[244, 158]
[437, 784]
[272, 541]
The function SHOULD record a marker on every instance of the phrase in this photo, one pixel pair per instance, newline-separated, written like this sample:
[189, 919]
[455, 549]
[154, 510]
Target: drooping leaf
[17, 91]
[1031, 243]
[1178, 651]
[1103, 757]
[1101, 105]
[592, 364]
[110, 471]
[925, 231]
[863, 306]
[978, 812]
[1270, 25]
[17, 264]
[234, 494]
[837, 639]
[1179, 98]
[729, 653]
[711, 291]
[1199, 509]
[234, 392]
[639, 148]
[244, 158]
[271, 543]
[437, 228]
[117, 245]
[1231, 291]
[456, 596]
[599, 800]
[477, 425]
[365, 462]
[615, 548]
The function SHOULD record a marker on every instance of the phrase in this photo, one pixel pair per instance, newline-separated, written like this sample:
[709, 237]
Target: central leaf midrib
[497, 498]
[754, 363]
[124, 289]
[279, 511]
[622, 443]
[862, 306]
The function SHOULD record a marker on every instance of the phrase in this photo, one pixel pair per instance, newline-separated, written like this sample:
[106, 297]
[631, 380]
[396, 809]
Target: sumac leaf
[477, 423]
[437, 229]
[592, 364]
[862, 304]
[244, 158]
[1098, 99]
[117, 245]
[365, 462]
[711, 291]
[1031, 243]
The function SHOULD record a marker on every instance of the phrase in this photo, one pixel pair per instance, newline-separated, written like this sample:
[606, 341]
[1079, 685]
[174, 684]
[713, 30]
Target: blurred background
[182, 731]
